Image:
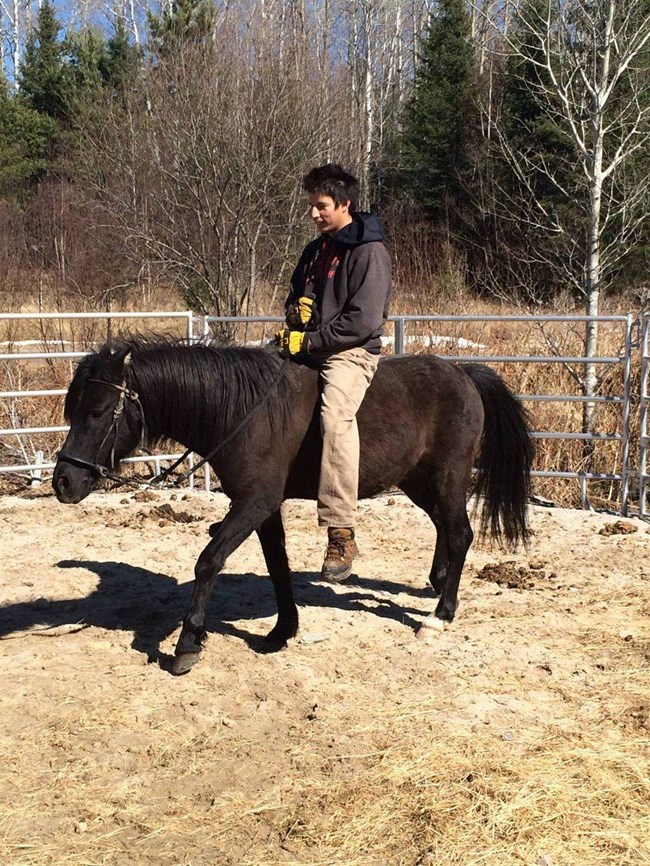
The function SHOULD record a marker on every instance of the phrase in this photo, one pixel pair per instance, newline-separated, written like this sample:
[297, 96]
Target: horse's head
[105, 419]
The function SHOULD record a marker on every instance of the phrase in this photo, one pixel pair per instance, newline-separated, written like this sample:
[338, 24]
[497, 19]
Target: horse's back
[417, 406]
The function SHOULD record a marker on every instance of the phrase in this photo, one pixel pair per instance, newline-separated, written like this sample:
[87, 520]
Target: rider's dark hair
[334, 181]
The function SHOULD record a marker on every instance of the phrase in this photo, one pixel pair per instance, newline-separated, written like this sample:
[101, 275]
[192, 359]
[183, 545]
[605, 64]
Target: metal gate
[409, 333]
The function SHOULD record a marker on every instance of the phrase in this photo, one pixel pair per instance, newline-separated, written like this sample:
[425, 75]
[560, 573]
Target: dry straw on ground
[520, 736]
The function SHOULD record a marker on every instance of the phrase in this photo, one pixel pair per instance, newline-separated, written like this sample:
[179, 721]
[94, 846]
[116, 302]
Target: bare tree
[590, 79]
[205, 185]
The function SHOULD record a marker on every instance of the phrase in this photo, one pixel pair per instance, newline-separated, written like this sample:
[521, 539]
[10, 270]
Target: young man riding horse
[335, 312]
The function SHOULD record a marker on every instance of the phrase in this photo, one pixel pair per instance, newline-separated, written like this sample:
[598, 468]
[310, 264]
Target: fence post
[625, 432]
[190, 461]
[37, 472]
[644, 439]
[399, 336]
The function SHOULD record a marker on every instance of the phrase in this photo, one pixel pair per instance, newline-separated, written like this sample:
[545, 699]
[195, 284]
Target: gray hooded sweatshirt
[349, 274]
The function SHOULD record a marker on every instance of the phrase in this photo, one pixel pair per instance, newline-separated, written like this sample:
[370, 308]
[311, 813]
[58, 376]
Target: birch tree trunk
[134, 23]
[16, 42]
[591, 83]
[599, 90]
[368, 102]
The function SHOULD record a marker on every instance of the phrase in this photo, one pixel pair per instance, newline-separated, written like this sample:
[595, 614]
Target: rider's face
[328, 216]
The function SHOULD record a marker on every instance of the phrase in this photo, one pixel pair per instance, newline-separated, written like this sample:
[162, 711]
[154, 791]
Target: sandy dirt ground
[519, 735]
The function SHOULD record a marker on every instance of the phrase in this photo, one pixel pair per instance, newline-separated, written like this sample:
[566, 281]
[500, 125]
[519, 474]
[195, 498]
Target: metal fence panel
[402, 340]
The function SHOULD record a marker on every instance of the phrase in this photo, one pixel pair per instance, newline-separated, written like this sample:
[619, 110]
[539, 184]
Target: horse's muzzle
[71, 484]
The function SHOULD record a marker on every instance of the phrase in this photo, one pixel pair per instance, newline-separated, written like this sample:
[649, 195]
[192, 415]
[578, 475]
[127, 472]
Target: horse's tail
[504, 460]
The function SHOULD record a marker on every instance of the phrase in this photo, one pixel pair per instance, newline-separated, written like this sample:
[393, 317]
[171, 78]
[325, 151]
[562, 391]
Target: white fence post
[37, 472]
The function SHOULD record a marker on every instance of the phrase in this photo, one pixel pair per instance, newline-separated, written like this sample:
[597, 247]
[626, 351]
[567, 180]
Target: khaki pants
[345, 377]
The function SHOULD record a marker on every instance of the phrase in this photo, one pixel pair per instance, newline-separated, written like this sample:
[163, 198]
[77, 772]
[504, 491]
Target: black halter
[99, 469]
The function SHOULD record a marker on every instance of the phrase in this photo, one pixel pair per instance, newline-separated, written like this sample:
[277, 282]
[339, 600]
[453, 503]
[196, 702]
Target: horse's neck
[175, 408]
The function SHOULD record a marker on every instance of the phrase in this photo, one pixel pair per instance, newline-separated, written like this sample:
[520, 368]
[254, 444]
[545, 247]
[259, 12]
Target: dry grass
[464, 798]
[420, 788]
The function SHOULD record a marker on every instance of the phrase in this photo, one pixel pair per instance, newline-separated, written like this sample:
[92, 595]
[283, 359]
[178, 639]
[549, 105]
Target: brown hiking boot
[341, 550]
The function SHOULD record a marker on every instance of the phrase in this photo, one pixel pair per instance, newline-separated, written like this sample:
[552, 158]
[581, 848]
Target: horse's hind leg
[271, 535]
[438, 575]
[420, 492]
[450, 491]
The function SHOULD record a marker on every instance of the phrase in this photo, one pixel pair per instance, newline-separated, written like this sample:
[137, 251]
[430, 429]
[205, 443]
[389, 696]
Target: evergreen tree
[44, 77]
[24, 141]
[438, 128]
[186, 21]
[86, 52]
[529, 123]
[120, 65]
[100, 70]
[533, 163]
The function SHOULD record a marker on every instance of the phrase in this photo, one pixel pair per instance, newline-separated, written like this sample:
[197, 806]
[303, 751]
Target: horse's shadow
[151, 604]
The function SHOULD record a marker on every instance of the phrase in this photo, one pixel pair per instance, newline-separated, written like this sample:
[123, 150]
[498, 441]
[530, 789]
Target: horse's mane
[191, 387]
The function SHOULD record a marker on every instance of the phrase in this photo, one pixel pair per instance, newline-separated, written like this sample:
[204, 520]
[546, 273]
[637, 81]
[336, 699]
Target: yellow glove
[291, 343]
[303, 313]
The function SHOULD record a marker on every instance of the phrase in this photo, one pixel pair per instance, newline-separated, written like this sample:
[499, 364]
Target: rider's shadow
[151, 604]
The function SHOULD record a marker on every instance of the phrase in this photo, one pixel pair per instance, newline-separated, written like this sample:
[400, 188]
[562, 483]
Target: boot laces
[336, 547]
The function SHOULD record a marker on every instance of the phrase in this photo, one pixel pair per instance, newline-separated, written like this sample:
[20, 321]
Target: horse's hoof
[273, 644]
[184, 663]
[431, 627]
[276, 641]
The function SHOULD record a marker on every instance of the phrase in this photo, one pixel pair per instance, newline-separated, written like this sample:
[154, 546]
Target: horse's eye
[96, 413]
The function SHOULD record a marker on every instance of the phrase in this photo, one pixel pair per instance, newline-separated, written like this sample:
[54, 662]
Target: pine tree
[186, 21]
[86, 52]
[24, 139]
[120, 65]
[438, 128]
[44, 77]
[528, 119]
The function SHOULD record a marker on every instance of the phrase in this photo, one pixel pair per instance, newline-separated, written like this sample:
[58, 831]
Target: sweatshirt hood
[364, 229]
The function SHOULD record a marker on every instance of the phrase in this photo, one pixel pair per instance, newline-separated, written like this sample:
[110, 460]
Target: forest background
[503, 142]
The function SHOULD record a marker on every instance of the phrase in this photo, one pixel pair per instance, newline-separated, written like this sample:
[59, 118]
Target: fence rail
[403, 339]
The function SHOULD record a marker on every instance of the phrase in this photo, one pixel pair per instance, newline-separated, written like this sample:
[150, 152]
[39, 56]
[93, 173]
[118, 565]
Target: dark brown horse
[423, 424]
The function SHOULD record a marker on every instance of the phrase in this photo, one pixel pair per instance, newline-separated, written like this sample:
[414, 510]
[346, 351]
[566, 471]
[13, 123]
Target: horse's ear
[118, 358]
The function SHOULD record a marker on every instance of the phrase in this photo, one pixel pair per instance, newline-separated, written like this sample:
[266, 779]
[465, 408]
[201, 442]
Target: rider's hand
[291, 343]
[303, 314]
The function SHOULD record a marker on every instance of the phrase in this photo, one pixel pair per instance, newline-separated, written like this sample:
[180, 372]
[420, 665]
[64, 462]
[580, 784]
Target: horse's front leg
[271, 535]
[242, 519]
